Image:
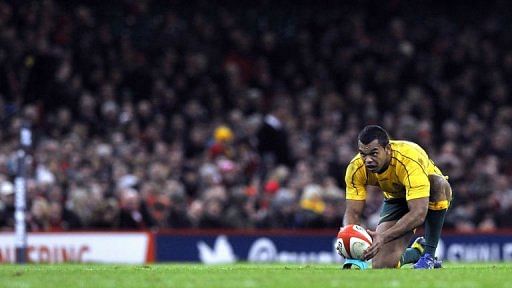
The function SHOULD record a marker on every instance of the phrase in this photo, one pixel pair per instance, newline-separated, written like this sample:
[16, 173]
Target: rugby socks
[433, 226]
[411, 255]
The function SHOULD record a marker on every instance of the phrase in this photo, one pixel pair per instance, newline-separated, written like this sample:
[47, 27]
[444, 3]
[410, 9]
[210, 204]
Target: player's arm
[353, 212]
[413, 174]
[418, 209]
[355, 180]
[417, 185]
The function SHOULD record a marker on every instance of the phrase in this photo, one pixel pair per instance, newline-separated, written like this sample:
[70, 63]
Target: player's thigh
[390, 253]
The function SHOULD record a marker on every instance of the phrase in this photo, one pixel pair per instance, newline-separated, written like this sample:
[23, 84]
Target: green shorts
[393, 209]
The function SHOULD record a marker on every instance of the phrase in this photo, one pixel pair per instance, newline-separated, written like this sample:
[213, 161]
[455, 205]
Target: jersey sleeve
[355, 180]
[414, 177]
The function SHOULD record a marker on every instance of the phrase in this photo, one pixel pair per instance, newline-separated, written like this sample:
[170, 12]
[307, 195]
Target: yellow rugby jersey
[406, 176]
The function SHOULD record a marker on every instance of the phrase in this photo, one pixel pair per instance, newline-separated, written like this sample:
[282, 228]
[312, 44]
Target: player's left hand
[375, 247]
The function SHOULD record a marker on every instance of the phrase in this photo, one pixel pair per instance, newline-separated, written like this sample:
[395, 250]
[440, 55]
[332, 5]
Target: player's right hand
[375, 247]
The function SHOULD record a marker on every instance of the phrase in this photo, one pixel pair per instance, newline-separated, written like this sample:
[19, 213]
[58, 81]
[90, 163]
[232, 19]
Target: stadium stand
[160, 114]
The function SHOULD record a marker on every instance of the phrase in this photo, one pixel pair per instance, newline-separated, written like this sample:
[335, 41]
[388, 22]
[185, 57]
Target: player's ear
[388, 149]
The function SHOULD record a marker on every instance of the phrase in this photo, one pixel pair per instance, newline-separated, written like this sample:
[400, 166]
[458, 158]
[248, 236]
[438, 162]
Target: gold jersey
[406, 176]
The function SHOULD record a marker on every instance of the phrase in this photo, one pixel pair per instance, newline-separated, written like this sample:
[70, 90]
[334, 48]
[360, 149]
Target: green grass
[250, 275]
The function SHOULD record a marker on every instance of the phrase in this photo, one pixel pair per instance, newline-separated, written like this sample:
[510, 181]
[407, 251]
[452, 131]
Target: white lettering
[507, 251]
[454, 252]
[495, 252]
[326, 257]
[264, 250]
[473, 252]
[222, 252]
[80, 247]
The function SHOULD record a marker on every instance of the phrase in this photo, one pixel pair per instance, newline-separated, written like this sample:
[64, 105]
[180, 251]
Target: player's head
[374, 132]
[374, 148]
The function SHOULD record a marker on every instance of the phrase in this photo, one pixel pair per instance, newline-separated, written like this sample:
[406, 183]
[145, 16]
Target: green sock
[433, 226]
[410, 255]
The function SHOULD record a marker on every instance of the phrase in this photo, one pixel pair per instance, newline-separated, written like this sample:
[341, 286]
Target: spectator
[7, 205]
[62, 219]
[39, 217]
[270, 110]
[213, 214]
[130, 215]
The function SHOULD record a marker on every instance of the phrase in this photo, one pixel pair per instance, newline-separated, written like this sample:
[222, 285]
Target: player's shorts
[393, 209]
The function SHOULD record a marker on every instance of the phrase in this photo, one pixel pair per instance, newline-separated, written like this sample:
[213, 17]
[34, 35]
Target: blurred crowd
[161, 114]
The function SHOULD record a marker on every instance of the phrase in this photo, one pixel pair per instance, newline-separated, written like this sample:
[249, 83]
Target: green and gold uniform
[406, 178]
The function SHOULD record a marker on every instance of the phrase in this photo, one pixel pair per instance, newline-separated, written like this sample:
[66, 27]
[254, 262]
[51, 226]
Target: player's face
[376, 158]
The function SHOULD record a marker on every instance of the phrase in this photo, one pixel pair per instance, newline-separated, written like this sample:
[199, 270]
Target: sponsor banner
[212, 249]
[310, 248]
[476, 248]
[133, 248]
[207, 247]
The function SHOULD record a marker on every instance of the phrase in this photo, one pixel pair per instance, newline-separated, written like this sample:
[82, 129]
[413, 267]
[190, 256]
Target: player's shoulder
[355, 169]
[408, 153]
[356, 161]
[355, 164]
[406, 147]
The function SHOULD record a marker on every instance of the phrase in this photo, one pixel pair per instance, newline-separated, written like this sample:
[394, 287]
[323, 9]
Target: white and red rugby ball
[352, 241]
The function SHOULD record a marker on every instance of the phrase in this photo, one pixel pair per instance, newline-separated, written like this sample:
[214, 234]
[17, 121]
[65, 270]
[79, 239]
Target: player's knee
[447, 190]
[384, 263]
[439, 188]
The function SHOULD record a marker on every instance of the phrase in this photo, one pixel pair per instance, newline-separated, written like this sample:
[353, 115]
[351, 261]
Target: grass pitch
[250, 275]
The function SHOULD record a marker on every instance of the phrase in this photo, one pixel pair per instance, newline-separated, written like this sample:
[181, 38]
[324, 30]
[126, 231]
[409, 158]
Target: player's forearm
[418, 209]
[353, 212]
[351, 218]
[407, 223]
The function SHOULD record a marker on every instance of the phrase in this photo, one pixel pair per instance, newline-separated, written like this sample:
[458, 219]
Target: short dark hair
[372, 132]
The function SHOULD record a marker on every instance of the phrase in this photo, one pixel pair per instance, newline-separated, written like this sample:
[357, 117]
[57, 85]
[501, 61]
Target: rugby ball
[352, 241]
